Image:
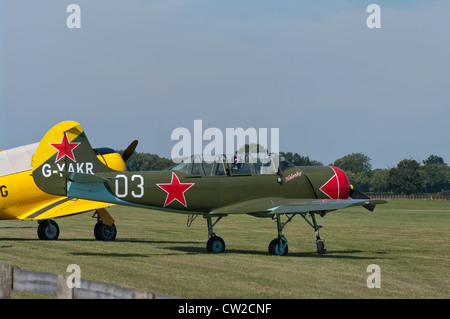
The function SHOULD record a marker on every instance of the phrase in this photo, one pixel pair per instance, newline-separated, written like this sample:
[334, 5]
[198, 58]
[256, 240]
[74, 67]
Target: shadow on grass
[195, 247]
[117, 240]
[17, 227]
[108, 255]
[342, 254]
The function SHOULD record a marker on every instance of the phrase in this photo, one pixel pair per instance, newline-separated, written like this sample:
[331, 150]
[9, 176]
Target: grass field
[155, 251]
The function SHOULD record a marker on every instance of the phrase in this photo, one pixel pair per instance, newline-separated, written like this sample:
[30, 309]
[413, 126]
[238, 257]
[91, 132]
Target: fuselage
[179, 191]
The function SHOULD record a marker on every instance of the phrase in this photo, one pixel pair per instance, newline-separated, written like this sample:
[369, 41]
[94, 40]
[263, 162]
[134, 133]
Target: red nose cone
[337, 187]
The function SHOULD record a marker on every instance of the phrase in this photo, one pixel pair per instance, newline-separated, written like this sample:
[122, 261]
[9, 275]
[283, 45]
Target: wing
[61, 207]
[271, 206]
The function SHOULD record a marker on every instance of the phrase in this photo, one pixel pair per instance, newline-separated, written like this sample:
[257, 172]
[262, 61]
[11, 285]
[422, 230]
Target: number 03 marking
[140, 187]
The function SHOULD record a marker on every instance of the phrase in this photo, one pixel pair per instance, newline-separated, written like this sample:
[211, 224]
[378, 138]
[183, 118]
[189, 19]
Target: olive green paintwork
[84, 176]
[209, 193]
[66, 165]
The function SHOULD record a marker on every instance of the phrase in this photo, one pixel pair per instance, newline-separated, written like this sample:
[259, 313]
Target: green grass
[155, 251]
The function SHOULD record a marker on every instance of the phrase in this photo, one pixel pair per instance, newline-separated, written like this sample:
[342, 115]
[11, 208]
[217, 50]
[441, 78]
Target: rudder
[64, 148]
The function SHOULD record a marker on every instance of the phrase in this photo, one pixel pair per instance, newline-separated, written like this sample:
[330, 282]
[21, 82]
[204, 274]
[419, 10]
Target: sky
[313, 69]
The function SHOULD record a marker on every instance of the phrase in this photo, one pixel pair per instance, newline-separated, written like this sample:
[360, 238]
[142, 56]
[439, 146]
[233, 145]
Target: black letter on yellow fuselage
[3, 191]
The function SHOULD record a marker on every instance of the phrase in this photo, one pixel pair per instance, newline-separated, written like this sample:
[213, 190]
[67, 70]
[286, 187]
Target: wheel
[215, 245]
[275, 249]
[105, 232]
[320, 245]
[48, 230]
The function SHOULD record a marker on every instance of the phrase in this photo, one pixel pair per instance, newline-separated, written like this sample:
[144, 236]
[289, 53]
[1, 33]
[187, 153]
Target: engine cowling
[338, 186]
[328, 182]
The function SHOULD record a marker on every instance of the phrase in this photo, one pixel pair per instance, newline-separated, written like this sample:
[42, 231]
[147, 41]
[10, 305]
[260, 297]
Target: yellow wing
[61, 207]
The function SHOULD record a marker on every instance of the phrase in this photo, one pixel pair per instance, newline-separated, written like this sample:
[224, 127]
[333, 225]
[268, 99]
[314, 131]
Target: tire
[275, 249]
[104, 232]
[48, 230]
[215, 245]
[320, 245]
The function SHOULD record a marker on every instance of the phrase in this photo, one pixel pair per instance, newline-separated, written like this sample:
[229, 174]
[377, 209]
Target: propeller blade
[130, 150]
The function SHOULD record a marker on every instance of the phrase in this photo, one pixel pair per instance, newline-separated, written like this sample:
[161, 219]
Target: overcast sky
[140, 69]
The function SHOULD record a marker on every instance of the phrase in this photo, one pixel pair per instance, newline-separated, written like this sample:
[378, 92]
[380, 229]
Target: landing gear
[104, 229]
[279, 245]
[215, 243]
[320, 241]
[48, 230]
[105, 232]
[320, 246]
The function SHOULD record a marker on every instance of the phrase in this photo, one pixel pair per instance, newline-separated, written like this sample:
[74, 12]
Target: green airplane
[262, 188]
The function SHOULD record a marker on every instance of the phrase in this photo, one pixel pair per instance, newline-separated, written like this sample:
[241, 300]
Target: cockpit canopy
[238, 164]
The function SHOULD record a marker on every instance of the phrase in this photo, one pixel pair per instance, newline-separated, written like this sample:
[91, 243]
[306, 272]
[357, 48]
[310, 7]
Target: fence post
[64, 292]
[6, 281]
[143, 295]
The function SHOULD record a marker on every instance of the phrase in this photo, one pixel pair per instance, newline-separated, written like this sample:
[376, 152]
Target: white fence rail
[12, 278]
[409, 197]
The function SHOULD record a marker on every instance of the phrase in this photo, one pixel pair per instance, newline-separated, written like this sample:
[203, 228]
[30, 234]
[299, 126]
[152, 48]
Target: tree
[358, 169]
[297, 160]
[433, 160]
[355, 162]
[148, 162]
[379, 181]
[252, 147]
[359, 180]
[437, 177]
[437, 174]
[407, 178]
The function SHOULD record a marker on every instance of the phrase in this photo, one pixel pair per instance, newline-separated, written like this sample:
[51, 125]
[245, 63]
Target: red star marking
[65, 148]
[175, 190]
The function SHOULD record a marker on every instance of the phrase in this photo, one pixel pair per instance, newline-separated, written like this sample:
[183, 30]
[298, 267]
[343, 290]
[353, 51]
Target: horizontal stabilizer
[85, 178]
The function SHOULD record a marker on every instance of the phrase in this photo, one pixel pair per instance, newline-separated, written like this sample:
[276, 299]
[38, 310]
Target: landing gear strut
[320, 241]
[104, 229]
[279, 245]
[215, 243]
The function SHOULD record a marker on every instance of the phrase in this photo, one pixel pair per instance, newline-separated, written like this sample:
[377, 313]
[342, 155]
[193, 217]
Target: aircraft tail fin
[64, 149]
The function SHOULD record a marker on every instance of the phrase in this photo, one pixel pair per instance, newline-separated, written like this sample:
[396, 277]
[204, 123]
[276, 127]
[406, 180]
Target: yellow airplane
[20, 198]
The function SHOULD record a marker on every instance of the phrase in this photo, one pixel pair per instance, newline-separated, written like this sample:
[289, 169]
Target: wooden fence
[13, 278]
[408, 197]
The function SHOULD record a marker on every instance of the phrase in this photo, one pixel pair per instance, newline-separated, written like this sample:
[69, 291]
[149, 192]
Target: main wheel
[105, 232]
[215, 245]
[48, 230]
[275, 249]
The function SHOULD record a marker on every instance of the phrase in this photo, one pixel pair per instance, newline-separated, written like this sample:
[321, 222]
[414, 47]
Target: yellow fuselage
[20, 197]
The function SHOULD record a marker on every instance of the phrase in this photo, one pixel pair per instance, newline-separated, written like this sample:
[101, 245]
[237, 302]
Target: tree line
[408, 177]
